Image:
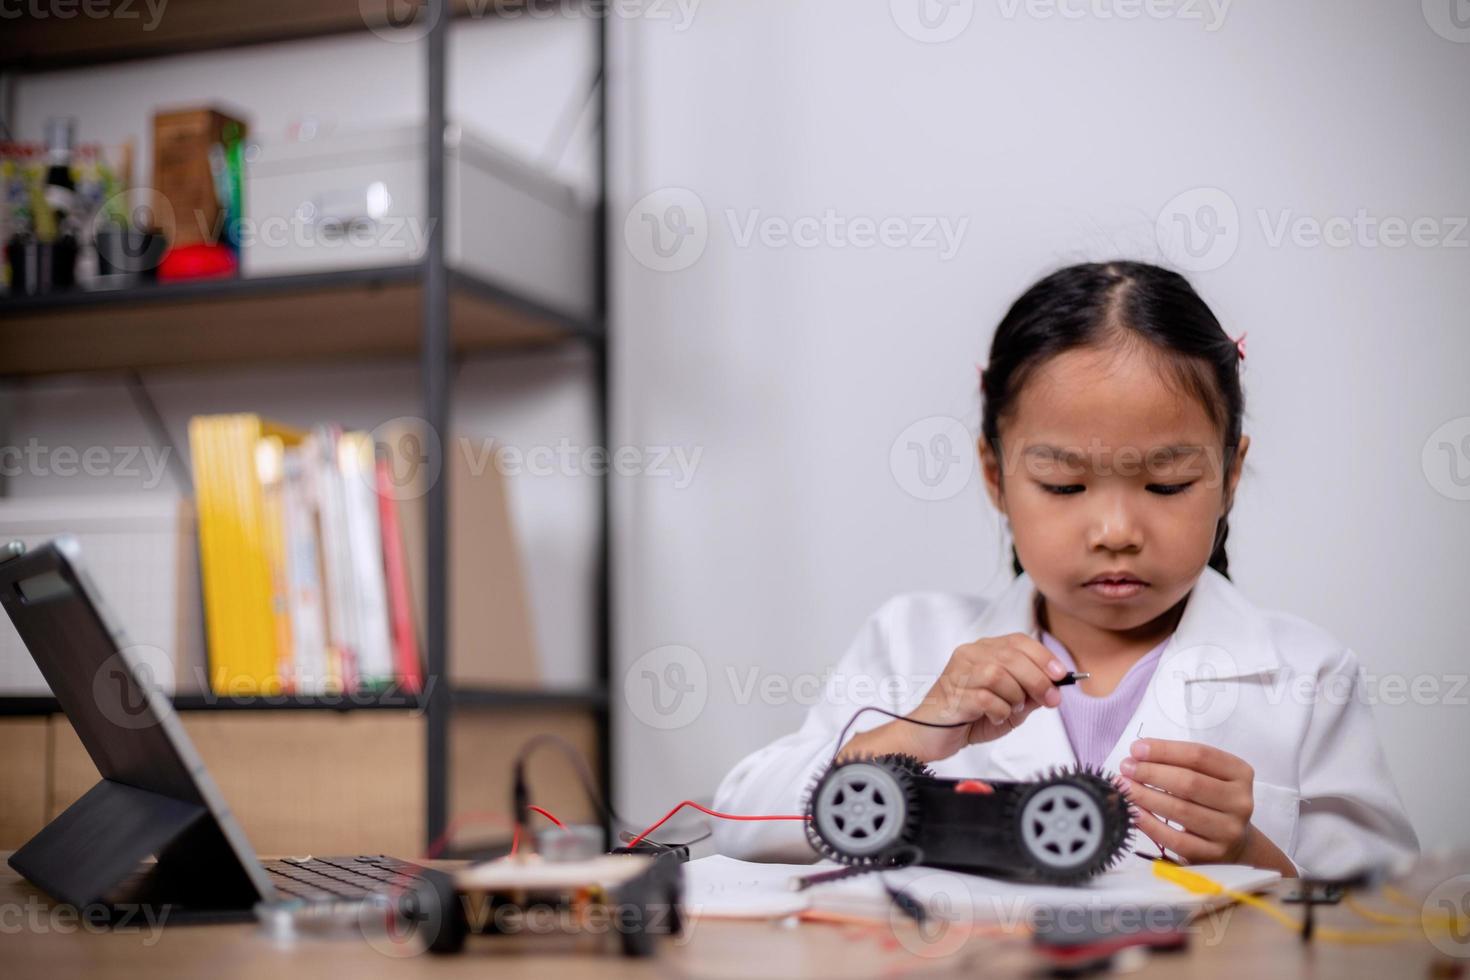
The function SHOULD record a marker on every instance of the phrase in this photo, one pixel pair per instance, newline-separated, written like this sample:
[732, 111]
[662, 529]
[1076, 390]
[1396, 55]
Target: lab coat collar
[1220, 636]
[1220, 640]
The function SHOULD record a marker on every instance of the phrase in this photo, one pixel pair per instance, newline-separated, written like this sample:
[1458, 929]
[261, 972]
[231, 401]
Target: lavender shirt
[1094, 725]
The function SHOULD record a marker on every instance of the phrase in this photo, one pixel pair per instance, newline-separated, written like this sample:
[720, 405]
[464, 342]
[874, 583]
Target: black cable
[628, 838]
[842, 738]
[520, 796]
[520, 792]
[708, 833]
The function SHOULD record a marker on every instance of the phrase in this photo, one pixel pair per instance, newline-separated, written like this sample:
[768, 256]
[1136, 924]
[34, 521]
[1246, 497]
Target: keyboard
[341, 879]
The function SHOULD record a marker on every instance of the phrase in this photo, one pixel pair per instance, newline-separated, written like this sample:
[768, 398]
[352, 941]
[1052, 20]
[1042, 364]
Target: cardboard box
[492, 639]
[184, 175]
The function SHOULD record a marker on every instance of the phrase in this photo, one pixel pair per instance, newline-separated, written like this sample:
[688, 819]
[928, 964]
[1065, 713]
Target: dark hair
[1097, 304]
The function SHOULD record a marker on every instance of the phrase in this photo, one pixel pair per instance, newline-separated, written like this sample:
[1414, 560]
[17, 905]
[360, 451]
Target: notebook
[722, 887]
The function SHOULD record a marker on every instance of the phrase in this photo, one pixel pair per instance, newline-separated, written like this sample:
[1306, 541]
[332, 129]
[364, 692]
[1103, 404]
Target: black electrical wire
[842, 738]
[609, 816]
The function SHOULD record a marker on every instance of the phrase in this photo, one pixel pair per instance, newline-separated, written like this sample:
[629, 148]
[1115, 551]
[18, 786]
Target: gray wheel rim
[861, 809]
[1062, 826]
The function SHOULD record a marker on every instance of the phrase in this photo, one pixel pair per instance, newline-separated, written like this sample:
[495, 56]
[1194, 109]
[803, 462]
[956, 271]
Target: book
[269, 471]
[359, 483]
[236, 553]
[338, 583]
[304, 579]
[406, 661]
[313, 554]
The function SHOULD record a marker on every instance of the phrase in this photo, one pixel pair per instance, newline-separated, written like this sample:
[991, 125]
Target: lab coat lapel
[1041, 742]
[1220, 643]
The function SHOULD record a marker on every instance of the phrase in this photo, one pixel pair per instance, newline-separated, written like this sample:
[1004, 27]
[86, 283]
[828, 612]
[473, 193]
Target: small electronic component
[1077, 942]
[633, 897]
[574, 842]
[1065, 827]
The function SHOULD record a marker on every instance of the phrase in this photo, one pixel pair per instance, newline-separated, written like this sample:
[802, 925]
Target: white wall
[1060, 140]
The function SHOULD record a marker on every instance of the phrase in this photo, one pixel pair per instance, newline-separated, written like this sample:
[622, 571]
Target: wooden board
[324, 782]
[308, 782]
[362, 315]
[24, 757]
[67, 36]
[482, 746]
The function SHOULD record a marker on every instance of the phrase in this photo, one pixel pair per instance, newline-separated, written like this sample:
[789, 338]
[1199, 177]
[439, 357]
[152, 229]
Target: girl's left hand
[1205, 790]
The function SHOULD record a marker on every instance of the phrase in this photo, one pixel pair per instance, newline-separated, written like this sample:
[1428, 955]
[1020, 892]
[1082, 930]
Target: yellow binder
[238, 543]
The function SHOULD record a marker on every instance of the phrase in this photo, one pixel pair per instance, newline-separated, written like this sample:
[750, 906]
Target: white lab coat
[1270, 688]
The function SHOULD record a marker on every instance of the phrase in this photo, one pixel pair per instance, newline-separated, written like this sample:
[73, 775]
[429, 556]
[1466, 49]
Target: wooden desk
[1235, 942]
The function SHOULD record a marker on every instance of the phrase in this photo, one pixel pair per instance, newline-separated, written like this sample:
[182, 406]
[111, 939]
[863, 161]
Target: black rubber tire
[900, 820]
[1102, 845]
[433, 906]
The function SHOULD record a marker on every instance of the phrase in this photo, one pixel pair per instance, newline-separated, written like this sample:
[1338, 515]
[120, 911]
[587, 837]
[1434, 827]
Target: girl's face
[1112, 475]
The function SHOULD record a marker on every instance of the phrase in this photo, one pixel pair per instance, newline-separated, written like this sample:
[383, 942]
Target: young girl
[1111, 443]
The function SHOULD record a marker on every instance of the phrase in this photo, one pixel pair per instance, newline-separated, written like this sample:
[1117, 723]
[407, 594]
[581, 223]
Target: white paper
[722, 886]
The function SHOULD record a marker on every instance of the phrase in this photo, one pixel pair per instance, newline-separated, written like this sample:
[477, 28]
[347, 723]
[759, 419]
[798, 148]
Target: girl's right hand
[988, 688]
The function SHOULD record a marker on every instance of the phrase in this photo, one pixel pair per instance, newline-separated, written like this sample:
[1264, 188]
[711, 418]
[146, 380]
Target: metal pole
[436, 380]
[602, 370]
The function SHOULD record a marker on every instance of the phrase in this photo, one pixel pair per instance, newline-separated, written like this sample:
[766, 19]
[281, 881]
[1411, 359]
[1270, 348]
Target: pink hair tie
[1240, 346]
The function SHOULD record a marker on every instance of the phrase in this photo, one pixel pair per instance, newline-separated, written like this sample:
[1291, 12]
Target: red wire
[547, 814]
[484, 817]
[714, 813]
[515, 841]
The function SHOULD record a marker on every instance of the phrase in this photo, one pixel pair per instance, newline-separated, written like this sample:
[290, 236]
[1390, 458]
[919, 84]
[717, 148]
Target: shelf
[392, 700]
[381, 701]
[595, 699]
[50, 42]
[355, 313]
[322, 317]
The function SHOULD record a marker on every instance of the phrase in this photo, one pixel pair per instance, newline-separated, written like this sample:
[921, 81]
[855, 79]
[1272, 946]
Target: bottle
[60, 192]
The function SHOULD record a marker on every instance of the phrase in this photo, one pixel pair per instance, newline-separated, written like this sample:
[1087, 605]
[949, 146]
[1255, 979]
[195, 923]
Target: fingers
[1038, 654]
[985, 729]
[992, 676]
[1015, 667]
[995, 683]
[1201, 758]
[1178, 781]
[1187, 846]
[1034, 668]
[979, 703]
[1203, 789]
[1211, 825]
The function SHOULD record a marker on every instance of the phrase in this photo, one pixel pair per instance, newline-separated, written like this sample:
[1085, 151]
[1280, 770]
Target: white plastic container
[356, 200]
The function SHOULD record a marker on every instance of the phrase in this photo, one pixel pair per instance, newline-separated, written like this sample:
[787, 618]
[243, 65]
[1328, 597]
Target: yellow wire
[1373, 915]
[1449, 920]
[1399, 898]
[1199, 884]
